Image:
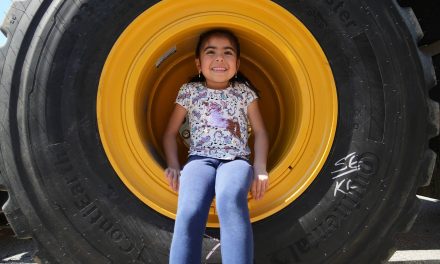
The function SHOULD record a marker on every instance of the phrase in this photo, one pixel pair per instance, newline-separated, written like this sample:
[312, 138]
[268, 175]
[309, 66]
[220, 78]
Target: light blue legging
[201, 179]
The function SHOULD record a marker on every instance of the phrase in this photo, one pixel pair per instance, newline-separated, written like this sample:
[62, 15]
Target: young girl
[218, 106]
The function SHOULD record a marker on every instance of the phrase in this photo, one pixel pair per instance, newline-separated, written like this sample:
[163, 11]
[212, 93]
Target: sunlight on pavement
[415, 255]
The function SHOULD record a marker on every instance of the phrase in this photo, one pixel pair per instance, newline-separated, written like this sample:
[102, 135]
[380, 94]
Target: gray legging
[201, 179]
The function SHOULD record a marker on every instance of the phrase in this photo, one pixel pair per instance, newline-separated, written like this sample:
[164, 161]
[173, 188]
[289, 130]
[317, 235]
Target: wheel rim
[155, 55]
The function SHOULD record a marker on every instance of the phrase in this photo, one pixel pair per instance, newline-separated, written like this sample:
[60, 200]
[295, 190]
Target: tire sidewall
[337, 215]
[94, 211]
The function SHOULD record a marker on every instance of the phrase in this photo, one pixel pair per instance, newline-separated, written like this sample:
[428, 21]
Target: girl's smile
[219, 69]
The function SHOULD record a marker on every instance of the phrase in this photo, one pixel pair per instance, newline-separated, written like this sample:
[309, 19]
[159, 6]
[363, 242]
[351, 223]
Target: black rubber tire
[66, 196]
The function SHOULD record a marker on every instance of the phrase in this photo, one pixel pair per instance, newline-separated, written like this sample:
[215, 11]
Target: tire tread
[16, 218]
[427, 162]
[13, 27]
[10, 25]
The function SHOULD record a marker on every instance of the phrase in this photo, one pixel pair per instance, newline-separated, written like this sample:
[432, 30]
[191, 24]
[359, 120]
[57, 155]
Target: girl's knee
[231, 202]
[189, 214]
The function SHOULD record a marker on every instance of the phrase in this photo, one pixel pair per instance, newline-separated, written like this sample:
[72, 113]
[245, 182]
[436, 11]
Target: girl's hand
[173, 178]
[260, 184]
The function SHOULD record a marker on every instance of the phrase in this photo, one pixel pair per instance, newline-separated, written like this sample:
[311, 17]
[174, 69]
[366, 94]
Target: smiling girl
[219, 103]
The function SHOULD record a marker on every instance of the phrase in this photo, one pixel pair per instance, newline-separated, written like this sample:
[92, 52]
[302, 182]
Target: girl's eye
[209, 52]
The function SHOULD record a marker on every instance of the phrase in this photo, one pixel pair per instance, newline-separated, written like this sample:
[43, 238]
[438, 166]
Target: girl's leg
[196, 191]
[232, 185]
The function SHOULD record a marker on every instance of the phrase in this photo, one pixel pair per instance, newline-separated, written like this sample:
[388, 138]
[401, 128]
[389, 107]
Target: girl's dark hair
[204, 37]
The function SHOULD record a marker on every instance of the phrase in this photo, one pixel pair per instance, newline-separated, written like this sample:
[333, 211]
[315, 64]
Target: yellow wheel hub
[155, 55]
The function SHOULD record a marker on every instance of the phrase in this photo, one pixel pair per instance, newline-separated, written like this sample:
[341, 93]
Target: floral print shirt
[217, 119]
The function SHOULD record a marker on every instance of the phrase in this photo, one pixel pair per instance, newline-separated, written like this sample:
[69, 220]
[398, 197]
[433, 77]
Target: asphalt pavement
[421, 245]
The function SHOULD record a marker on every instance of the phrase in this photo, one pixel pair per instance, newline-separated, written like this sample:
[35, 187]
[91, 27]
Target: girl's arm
[172, 172]
[261, 148]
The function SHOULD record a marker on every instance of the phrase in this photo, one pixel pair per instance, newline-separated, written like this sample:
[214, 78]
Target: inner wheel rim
[148, 64]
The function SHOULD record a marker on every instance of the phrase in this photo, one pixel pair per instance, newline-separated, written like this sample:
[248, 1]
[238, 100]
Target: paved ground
[420, 245]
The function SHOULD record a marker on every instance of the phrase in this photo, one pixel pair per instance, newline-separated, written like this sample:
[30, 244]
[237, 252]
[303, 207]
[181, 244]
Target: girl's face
[218, 62]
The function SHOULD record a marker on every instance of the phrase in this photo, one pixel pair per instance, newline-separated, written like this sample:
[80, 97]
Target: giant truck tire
[86, 87]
